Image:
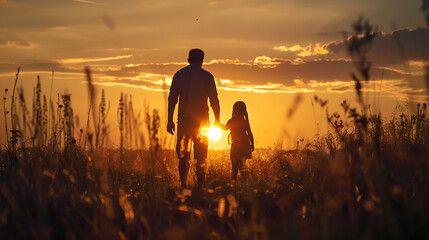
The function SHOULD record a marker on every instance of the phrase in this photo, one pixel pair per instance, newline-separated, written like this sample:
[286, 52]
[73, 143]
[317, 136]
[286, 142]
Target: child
[242, 144]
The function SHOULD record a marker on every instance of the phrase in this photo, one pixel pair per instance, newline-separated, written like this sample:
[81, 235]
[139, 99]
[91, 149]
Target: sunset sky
[262, 52]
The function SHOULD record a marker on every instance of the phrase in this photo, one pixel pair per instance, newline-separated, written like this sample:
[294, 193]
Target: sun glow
[214, 133]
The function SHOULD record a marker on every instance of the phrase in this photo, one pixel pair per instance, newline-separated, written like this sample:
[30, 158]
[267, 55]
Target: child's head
[239, 110]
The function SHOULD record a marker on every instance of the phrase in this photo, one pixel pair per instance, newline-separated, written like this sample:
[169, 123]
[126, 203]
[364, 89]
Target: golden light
[214, 133]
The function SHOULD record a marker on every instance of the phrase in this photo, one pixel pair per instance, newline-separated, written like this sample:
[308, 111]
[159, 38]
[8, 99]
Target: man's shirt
[193, 85]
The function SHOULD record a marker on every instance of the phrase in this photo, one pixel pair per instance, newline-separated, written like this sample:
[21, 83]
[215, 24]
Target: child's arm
[250, 134]
[223, 127]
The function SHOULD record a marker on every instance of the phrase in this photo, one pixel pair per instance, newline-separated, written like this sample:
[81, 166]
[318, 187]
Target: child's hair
[239, 110]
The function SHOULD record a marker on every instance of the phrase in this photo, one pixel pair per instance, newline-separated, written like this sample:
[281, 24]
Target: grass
[367, 179]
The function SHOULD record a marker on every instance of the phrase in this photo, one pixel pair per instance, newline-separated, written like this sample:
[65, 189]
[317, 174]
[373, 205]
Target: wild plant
[91, 96]
[103, 110]
[120, 115]
[358, 47]
[37, 115]
[58, 127]
[425, 9]
[152, 125]
[13, 116]
[52, 120]
[45, 120]
[137, 122]
[26, 125]
[68, 120]
[127, 132]
[412, 128]
[5, 112]
[51, 114]
[87, 139]
[99, 116]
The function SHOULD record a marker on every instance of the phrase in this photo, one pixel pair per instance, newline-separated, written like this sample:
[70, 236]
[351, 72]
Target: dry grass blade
[91, 95]
[12, 106]
[425, 8]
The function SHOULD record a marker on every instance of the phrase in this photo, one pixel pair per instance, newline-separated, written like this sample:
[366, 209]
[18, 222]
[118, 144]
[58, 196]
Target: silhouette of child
[241, 138]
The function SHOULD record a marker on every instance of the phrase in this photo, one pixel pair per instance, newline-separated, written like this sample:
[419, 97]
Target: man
[193, 86]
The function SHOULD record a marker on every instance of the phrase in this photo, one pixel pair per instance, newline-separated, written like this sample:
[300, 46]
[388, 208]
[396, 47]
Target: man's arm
[172, 101]
[216, 111]
[250, 134]
[214, 101]
[224, 127]
[170, 125]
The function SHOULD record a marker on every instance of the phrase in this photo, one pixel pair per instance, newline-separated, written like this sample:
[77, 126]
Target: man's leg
[183, 148]
[184, 169]
[201, 172]
[201, 145]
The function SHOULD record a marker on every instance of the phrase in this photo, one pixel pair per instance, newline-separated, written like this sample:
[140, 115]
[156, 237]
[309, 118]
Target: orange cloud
[92, 2]
[267, 62]
[92, 59]
[418, 63]
[403, 72]
[306, 51]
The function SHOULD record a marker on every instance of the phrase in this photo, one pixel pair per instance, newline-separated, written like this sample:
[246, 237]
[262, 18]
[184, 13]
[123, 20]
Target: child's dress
[240, 142]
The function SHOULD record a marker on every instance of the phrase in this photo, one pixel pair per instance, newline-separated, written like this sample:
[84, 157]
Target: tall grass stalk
[5, 112]
[51, 115]
[91, 96]
[102, 125]
[12, 103]
[120, 113]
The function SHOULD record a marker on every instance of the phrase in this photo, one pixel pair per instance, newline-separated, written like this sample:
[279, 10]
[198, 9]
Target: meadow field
[367, 179]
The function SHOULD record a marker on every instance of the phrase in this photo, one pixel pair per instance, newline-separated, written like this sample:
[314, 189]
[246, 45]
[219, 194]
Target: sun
[214, 134]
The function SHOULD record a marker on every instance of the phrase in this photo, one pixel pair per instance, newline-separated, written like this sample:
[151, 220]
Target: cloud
[92, 2]
[403, 72]
[158, 82]
[145, 81]
[404, 46]
[8, 43]
[37, 66]
[306, 51]
[261, 70]
[92, 59]
[261, 75]
[283, 76]
[387, 88]
[285, 71]
[267, 62]
[398, 47]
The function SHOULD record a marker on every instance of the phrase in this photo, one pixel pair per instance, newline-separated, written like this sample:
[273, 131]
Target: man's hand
[217, 123]
[171, 127]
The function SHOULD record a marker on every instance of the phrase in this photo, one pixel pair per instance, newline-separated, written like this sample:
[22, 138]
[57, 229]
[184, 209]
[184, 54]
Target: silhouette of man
[192, 86]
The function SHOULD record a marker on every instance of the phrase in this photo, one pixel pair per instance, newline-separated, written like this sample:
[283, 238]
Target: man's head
[196, 56]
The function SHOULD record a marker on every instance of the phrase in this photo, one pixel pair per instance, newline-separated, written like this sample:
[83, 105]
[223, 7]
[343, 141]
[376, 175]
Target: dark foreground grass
[343, 191]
